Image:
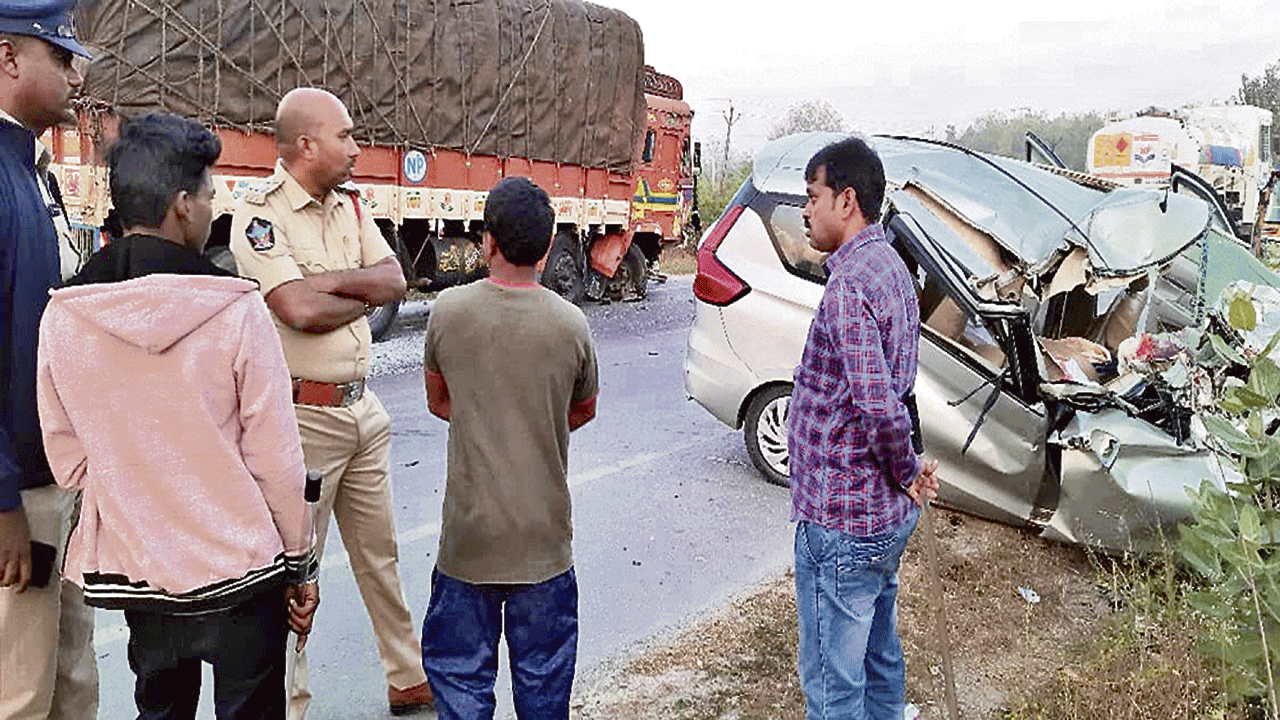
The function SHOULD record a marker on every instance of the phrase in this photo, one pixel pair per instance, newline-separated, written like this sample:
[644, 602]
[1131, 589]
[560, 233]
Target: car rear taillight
[716, 284]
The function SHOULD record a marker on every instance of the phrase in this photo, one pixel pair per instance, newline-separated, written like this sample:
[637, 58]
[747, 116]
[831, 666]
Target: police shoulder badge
[260, 234]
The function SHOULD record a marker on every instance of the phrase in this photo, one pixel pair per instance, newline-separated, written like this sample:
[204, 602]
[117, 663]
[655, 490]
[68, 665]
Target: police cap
[49, 20]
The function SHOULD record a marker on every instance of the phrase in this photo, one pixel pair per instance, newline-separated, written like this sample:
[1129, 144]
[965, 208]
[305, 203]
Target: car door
[977, 384]
[769, 250]
[1035, 147]
[1185, 182]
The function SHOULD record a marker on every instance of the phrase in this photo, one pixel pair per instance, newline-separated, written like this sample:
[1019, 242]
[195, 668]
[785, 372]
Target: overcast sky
[911, 66]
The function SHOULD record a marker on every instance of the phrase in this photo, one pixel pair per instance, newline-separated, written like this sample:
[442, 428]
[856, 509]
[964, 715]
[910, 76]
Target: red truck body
[431, 205]
[447, 99]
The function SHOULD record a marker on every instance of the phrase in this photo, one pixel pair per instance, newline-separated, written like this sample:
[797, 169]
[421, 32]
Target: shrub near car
[1030, 283]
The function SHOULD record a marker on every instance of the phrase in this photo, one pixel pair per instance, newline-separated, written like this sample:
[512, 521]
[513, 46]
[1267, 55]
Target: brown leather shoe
[410, 700]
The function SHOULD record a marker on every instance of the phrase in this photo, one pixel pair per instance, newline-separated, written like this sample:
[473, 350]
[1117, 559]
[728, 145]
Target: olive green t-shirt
[513, 358]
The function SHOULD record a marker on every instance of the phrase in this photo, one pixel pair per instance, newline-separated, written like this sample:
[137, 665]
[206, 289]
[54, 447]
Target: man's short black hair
[519, 217]
[156, 157]
[851, 163]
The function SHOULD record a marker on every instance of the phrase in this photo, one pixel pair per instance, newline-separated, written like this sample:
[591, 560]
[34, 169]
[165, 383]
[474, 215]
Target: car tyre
[563, 271]
[765, 433]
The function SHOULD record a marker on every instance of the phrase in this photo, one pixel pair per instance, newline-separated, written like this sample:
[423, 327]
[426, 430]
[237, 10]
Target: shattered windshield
[1104, 338]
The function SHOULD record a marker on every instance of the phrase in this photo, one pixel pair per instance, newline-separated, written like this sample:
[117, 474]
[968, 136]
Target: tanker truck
[1229, 146]
[447, 99]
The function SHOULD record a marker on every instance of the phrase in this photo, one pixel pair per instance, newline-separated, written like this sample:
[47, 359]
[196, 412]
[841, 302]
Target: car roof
[1034, 214]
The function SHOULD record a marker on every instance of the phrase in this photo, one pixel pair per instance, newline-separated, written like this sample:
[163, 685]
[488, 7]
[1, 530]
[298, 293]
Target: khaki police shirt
[279, 230]
[70, 256]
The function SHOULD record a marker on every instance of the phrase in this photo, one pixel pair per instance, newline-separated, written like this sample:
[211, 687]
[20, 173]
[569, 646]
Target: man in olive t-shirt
[510, 366]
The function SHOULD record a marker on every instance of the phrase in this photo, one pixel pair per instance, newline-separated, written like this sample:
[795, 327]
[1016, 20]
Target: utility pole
[729, 119]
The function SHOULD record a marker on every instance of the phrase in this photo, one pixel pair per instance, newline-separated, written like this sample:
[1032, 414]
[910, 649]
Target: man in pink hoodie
[164, 396]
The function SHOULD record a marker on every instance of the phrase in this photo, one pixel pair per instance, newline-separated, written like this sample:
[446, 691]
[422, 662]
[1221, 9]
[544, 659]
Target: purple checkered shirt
[850, 433]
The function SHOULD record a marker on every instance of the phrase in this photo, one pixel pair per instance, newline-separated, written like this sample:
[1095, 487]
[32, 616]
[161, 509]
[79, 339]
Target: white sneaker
[911, 712]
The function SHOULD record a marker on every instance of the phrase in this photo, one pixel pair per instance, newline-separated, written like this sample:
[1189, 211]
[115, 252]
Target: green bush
[715, 193]
[1232, 542]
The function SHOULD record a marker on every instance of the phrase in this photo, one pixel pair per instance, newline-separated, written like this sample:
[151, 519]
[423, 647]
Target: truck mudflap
[607, 252]
[458, 260]
[618, 269]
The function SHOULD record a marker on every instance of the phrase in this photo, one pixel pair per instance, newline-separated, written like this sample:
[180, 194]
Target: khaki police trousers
[351, 446]
[47, 664]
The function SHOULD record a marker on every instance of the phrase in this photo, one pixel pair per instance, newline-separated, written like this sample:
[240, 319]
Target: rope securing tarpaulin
[554, 80]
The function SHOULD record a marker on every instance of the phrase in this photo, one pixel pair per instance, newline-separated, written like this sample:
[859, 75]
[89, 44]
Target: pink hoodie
[167, 400]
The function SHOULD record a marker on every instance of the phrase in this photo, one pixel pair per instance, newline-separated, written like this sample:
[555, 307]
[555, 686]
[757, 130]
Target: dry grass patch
[1141, 662]
[1000, 640]
[1095, 645]
[739, 663]
[676, 259]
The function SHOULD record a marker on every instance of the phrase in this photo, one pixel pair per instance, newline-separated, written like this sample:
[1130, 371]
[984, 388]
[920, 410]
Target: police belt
[323, 394]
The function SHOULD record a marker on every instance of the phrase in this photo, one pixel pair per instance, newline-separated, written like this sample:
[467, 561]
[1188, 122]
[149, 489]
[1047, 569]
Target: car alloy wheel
[765, 433]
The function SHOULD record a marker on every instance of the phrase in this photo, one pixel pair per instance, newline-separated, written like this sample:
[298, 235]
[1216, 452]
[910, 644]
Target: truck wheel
[381, 318]
[765, 433]
[563, 273]
[630, 283]
[392, 235]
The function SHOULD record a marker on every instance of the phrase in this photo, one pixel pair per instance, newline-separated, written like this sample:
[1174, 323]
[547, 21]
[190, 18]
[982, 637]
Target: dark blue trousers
[460, 645]
[245, 645]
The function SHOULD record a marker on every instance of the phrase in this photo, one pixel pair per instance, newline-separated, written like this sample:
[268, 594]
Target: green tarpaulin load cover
[556, 80]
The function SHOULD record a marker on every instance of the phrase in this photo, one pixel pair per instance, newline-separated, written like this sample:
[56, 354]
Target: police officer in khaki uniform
[320, 261]
[47, 666]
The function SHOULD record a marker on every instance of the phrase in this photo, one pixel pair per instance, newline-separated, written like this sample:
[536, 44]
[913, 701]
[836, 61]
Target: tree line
[997, 132]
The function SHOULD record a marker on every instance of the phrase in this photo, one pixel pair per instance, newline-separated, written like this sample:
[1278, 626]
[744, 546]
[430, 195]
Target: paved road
[670, 517]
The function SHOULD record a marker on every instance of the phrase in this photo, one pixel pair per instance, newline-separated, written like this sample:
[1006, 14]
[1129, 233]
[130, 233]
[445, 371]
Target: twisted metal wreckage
[1064, 323]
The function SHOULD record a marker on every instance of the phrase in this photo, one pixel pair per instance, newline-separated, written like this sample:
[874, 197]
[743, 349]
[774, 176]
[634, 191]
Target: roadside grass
[1104, 638]
[676, 259]
[739, 663]
[1142, 661]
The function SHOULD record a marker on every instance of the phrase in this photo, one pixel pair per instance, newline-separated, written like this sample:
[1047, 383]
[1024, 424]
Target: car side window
[965, 334]
[940, 313]
[785, 220]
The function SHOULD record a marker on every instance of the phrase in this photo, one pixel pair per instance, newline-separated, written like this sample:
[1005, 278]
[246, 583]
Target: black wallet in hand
[42, 555]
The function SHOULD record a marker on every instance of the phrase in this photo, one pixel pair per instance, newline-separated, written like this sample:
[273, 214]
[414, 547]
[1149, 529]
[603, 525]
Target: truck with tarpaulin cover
[447, 99]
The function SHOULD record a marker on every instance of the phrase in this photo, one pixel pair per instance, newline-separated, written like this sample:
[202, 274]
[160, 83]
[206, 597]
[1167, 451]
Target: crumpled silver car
[1046, 297]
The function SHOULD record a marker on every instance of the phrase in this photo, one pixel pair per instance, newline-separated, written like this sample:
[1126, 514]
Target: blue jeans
[460, 645]
[850, 661]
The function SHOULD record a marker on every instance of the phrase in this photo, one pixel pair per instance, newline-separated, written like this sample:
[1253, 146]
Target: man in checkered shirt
[856, 482]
